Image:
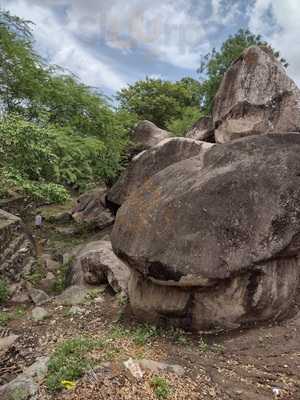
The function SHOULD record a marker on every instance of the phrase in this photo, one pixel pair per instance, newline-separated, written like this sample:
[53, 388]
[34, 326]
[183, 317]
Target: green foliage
[180, 126]
[70, 361]
[141, 334]
[61, 277]
[215, 64]
[5, 317]
[4, 293]
[161, 387]
[159, 101]
[54, 130]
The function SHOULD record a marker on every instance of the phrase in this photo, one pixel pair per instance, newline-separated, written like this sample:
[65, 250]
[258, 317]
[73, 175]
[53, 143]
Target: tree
[54, 130]
[159, 101]
[215, 64]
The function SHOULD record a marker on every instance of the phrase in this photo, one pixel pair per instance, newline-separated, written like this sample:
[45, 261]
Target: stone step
[14, 267]
[12, 248]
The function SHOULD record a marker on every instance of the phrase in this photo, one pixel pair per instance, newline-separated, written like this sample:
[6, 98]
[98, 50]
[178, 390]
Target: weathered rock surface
[17, 251]
[150, 162]
[202, 130]
[38, 296]
[73, 296]
[91, 210]
[96, 264]
[214, 240]
[39, 314]
[21, 388]
[7, 342]
[255, 97]
[147, 135]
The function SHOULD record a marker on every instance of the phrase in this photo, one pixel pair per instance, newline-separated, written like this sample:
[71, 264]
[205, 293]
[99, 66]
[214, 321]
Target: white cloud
[285, 35]
[61, 47]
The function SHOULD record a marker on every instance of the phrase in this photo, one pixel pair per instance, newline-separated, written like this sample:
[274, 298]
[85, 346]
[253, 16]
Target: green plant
[180, 126]
[160, 101]
[161, 387]
[140, 335]
[70, 361]
[61, 277]
[4, 292]
[203, 345]
[5, 317]
[36, 274]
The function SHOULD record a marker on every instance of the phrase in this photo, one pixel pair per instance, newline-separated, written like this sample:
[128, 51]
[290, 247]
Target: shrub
[161, 387]
[69, 362]
[4, 293]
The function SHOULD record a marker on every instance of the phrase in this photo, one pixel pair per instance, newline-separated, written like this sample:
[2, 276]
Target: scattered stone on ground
[90, 210]
[39, 314]
[7, 342]
[73, 295]
[22, 388]
[38, 296]
[96, 264]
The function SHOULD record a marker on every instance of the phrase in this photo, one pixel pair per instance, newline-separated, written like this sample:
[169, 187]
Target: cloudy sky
[110, 43]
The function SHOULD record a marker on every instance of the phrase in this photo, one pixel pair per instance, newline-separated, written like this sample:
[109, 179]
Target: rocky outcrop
[213, 241]
[255, 97]
[202, 130]
[90, 210]
[147, 135]
[96, 264]
[17, 251]
[148, 163]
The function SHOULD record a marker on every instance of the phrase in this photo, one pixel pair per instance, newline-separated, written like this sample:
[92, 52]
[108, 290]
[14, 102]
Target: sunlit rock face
[256, 96]
[213, 241]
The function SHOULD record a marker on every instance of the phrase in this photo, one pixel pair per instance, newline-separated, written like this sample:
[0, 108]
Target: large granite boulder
[146, 135]
[256, 96]
[90, 210]
[17, 249]
[148, 163]
[95, 264]
[214, 240]
[202, 130]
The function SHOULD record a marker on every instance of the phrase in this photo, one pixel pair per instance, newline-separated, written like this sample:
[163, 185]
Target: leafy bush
[160, 101]
[179, 126]
[69, 362]
[54, 130]
[161, 387]
[4, 293]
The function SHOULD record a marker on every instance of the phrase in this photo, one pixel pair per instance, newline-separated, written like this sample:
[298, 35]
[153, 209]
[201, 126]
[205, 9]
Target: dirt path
[253, 364]
[257, 363]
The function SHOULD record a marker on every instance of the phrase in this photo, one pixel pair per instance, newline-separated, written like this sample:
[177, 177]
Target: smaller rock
[21, 388]
[134, 368]
[147, 135]
[202, 130]
[48, 283]
[156, 367]
[38, 370]
[39, 314]
[75, 310]
[50, 264]
[7, 342]
[95, 264]
[72, 296]
[91, 211]
[39, 297]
